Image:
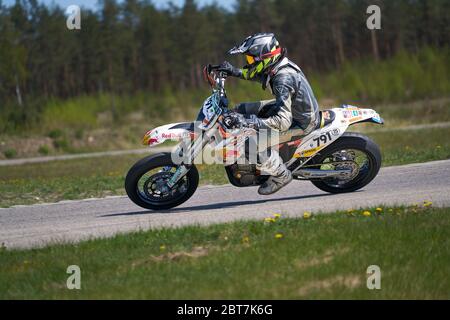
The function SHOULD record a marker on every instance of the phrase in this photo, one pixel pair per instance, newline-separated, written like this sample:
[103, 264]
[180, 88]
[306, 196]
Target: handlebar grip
[212, 67]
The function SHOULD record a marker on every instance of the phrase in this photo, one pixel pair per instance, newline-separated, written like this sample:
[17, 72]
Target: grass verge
[319, 256]
[99, 177]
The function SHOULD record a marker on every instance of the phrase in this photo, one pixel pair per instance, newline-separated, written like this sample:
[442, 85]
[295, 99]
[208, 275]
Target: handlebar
[216, 79]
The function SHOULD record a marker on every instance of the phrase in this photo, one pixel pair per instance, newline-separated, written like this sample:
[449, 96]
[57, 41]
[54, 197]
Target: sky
[92, 4]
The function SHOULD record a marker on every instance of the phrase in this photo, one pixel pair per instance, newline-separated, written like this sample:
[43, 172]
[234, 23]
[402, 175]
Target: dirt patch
[196, 252]
[24, 146]
[348, 281]
[327, 257]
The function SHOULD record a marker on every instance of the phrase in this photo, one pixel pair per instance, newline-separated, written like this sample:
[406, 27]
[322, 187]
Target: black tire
[351, 140]
[145, 165]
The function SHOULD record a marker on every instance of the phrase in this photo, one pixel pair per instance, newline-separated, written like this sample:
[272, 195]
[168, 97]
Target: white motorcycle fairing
[344, 117]
[174, 132]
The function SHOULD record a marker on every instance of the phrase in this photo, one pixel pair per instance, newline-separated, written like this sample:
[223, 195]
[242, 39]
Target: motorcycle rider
[294, 105]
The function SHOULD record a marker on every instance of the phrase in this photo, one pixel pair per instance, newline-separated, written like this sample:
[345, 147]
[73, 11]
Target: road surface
[71, 221]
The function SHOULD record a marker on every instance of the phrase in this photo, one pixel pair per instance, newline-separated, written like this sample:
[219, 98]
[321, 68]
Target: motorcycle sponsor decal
[208, 108]
[356, 119]
[308, 153]
[355, 113]
[347, 114]
[335, 132]
[176, 135]
[148, 140]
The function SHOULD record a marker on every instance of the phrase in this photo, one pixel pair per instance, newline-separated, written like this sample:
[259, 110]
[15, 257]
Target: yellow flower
[379, 209]
[245, 239]
[279, 236]
[306, 215]
[277, 215]
[427, 203]
[367, 213]
[162, 247]
[270, 220]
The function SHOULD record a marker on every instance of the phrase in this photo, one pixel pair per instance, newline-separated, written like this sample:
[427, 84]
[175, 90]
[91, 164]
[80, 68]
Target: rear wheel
[353, 152]
[146, 183]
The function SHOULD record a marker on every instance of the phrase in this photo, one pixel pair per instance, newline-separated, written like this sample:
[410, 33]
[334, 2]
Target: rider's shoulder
[286, 75]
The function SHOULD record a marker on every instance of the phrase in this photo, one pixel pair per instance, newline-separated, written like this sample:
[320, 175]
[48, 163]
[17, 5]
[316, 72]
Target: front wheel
[146, 183]
[353, 152]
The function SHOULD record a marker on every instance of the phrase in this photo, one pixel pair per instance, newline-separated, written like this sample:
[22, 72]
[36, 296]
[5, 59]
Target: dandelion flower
[306, 214]
[269, 220]
[366, 213]
[427, 203]
[379, 209]
[246, 239]
[162, 247]
[279, 236]
[277, 215]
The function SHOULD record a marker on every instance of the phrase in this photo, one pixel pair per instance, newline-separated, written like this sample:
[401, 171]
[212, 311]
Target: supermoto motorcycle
[332, 159]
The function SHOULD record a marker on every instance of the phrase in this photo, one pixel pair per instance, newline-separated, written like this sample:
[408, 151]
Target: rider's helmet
[261, 51]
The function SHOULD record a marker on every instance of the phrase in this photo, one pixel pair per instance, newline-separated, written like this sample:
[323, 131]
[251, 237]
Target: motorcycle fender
[352, 115]
[173, 132]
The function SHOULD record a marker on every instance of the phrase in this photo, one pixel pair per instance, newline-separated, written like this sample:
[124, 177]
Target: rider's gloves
[236, 120]
[229, 69]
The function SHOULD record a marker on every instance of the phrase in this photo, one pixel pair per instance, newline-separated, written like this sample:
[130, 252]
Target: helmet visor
[250, 59]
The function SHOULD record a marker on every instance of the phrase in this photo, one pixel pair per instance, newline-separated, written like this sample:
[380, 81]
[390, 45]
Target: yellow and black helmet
[261, 51]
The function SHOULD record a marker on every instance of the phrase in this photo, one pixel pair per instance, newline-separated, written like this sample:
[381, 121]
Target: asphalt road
[69, 221]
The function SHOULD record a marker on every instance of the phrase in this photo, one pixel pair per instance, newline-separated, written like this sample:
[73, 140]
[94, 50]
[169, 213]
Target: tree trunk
[18, 93]
[375, 51]
[339, 44]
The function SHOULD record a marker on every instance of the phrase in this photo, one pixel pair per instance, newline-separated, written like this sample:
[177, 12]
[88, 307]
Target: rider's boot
[279, 174]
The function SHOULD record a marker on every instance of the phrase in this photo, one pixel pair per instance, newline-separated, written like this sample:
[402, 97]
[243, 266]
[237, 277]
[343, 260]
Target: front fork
[193, 150]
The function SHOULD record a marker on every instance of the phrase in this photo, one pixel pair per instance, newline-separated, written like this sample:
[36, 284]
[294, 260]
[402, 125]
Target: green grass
[323, 256]
[408, 114]
[99, 177]
[402, 147]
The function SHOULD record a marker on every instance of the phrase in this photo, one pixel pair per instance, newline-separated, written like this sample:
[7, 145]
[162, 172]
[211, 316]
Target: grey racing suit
[294, 106]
